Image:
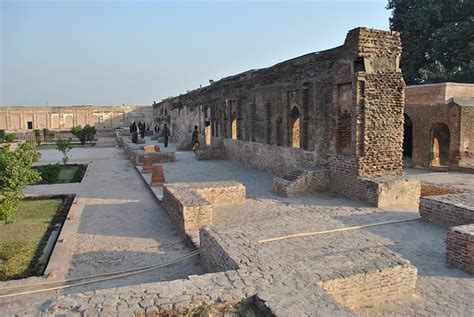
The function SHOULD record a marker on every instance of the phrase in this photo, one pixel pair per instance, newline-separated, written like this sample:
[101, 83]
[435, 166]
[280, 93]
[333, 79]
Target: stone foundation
[210, 153]
[370, 277]
[448, 210]
[396, 192]
[190, 205]
[301, 182]
[460, 247]
[162, 157]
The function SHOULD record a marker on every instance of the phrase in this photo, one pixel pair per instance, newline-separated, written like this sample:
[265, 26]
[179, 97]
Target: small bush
[64, 146]
[10, 137]
[49, 173]
[51, 136]
[86, 134]
[15, 172]
[45, 134]
[2, 135]
[38, 136]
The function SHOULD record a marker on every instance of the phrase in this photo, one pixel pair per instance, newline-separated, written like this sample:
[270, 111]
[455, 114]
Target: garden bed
[61, 174]
[26, 243]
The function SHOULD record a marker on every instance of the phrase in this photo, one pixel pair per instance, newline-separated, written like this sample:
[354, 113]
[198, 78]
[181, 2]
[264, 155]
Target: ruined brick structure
[340, 109]
[439, 129]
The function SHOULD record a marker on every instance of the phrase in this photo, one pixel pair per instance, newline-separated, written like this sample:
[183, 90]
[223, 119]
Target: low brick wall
[162, 157]
[215, 254]
[189, 205]
[370, 277]
[186, 208]
[460, 247]
[448, 210]
[210, 153]
[275, 159]
[308, 181]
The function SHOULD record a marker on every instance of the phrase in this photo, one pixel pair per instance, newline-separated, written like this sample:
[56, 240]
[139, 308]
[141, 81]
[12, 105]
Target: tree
[64, 146]
[437, 38]
[15, 172]
[86, 134]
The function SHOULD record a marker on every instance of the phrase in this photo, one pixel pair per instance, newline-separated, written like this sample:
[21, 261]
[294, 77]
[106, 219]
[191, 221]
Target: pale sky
[133, 52]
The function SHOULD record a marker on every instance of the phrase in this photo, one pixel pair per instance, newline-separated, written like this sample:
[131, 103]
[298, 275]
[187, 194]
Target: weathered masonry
[340, 111]
[439, 128]
[20, 118]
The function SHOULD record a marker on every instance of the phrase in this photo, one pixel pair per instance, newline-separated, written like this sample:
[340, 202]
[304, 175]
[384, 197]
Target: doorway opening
[440, 145]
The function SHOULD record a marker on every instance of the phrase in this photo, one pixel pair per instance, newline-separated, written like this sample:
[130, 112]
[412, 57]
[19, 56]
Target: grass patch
[61, 174]
[67, 173]
[21, 242]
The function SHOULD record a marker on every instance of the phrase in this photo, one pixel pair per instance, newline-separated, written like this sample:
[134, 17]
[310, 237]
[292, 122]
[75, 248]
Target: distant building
[439, 125]
[23, 119]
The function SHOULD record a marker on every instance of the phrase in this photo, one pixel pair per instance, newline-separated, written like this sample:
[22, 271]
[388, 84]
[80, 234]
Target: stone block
[448, 210]
[369, 277]
[400, 192]
[189, 205]
[460, 247]
[147, 165]
[151, 148]
[157, 176]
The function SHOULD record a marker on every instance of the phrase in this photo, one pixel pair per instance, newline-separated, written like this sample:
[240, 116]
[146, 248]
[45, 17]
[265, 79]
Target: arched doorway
[295, 127]
[407, 136]
[440, 145]
[233, 127]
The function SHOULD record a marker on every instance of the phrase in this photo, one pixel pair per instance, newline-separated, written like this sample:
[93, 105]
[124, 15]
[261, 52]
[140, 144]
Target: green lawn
[20, 240]
[67, 173]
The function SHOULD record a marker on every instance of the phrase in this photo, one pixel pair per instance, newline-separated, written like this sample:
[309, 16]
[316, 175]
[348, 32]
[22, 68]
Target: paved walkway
[122, 226]
[455, 180]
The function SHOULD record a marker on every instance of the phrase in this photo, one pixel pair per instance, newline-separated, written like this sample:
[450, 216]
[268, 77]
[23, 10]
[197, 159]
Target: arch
[407, 136]
[295, 130]
[440, 142]
[233, 126]
[207, 132]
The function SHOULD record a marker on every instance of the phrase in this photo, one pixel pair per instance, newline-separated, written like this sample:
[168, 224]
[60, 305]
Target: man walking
[195, 139]
[166, 134]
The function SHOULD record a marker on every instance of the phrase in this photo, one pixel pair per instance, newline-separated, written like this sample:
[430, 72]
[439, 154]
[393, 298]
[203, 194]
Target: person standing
[195, 139]
[142, 130]
[166, 134]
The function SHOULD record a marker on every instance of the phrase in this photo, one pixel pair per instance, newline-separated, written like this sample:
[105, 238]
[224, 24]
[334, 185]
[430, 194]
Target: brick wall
[65, 117]
[373, 286]
[428, 106]
[275, 159]
[448, 210]
[215, 254]
[460, 247]
[190, 205]
[347, 103]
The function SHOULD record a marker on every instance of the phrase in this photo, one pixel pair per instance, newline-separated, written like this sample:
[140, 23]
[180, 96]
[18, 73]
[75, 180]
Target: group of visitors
[138, 128]
[142, 127]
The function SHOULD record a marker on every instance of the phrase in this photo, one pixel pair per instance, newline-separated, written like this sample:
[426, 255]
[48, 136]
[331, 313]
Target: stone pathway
[122, 226]
[441, 290]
